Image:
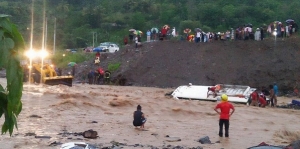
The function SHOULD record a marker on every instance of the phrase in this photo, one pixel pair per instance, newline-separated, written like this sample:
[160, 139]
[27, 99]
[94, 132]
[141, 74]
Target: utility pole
[93, 39]
[54, 36]
[46, 32]
[96, 38]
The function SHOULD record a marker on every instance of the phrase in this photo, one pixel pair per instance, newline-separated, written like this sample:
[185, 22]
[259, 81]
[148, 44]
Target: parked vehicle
[73, 50]
[88, 49]
[109, 47]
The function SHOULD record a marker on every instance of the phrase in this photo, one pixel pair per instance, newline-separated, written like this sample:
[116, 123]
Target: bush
[113, 66]
[62, 61]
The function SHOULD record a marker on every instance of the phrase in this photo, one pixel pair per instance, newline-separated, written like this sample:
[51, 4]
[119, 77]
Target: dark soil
[175, 63]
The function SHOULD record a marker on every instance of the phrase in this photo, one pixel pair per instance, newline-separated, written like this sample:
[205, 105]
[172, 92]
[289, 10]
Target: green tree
[138, 21]
[11, 42]
[188, 24]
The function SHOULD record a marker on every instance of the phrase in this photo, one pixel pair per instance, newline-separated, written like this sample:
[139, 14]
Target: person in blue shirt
[275, 87]
[148, 35]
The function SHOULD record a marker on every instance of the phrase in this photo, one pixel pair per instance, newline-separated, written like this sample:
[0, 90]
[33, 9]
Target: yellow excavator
[46, 74]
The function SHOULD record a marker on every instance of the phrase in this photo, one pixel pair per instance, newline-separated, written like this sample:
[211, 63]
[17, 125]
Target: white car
[109, 47]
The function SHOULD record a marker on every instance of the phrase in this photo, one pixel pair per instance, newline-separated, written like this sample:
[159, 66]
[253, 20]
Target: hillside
[174, 63]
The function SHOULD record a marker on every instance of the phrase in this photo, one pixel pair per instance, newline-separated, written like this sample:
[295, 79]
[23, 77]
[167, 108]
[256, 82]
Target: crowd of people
[99, 76]
[258, 97]
[244, 32]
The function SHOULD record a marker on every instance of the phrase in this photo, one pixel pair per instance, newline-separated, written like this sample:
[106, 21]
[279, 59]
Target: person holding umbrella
[73, 65]
[131, 33]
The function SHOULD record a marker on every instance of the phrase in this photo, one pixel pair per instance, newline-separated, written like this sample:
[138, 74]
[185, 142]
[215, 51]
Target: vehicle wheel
[106, 50]
[116, 51]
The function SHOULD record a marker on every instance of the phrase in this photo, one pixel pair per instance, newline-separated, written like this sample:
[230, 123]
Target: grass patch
[62, 61]
[113, 66]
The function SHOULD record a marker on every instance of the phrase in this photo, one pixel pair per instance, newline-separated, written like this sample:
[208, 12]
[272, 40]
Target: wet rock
[198, 147]
[90, 134]
[55, 143]
[42, 137]
[296, 144]
[178, 147]
[204, 140]
[30, 134]
[35, 116]
[115, 143]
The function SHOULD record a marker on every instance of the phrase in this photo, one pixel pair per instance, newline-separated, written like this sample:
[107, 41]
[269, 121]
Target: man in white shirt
[198, 36]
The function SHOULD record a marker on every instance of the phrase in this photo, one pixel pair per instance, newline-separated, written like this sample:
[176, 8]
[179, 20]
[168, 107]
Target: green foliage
[62, 61]
[138, 20]
[188, 24]
[11, 42]
[113, 66]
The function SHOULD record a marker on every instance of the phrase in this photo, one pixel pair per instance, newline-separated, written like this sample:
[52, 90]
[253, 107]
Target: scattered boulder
[295, 144]
[204, 140]
[90, 134]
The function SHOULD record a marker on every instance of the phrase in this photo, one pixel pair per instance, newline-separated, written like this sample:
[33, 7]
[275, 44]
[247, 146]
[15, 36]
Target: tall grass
[62, 61]
[113, 66]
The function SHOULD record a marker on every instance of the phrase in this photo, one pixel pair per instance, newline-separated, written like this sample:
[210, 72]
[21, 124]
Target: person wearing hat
[226, 110]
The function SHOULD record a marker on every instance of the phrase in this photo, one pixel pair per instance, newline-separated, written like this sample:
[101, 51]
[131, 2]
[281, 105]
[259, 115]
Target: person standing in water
[224, 113]
[139, 118]
[272, 96]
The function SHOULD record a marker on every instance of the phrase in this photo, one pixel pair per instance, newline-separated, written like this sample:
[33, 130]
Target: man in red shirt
[262, 101]
[225, 113]
[164, 32]
[212, 89]
[254, 98]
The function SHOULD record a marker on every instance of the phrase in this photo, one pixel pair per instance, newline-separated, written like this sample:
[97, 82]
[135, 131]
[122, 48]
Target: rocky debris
[55, 143]
[65, 133]
[295, 144]
[118, 145]
[289, 106]
[90, 134]
[205, 140]
[30, 134]
[295, 104]
[42, 137]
